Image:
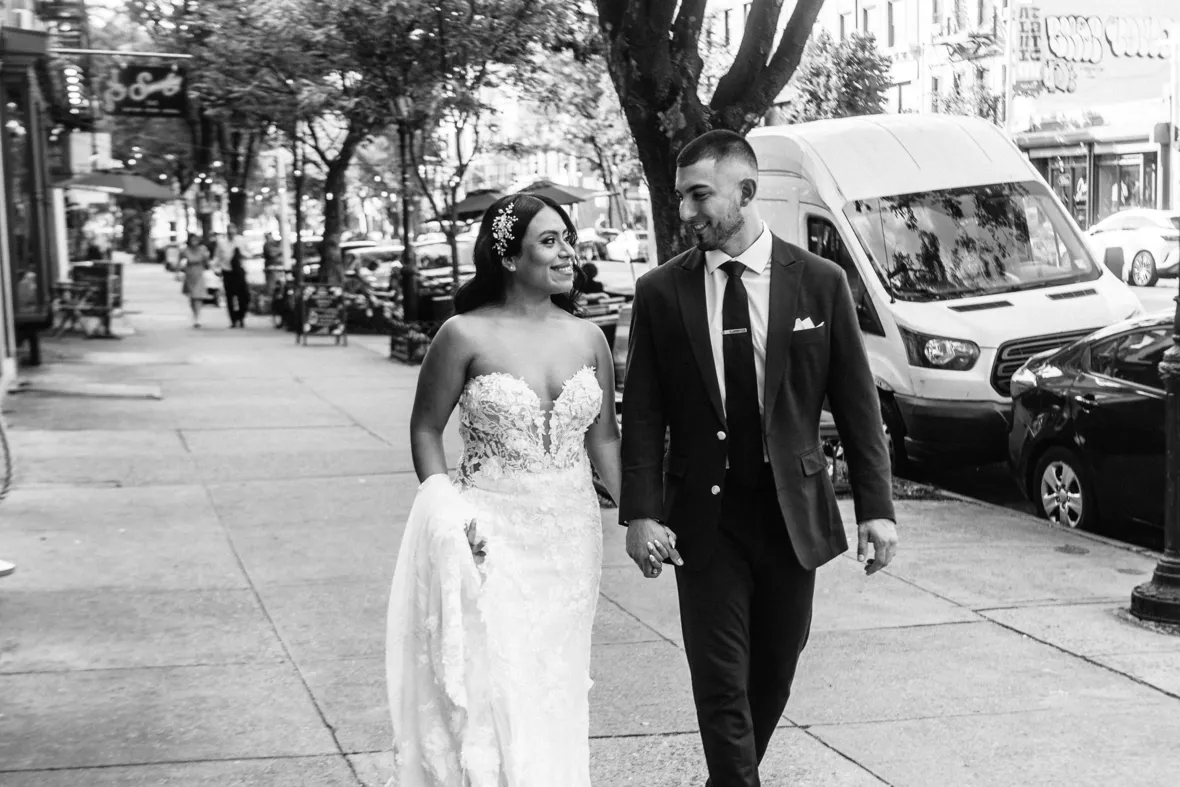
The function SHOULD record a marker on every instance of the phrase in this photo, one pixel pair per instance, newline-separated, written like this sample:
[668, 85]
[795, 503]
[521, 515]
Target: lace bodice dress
[525, 475]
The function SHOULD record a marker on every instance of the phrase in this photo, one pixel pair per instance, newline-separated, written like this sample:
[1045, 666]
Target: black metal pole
[1159, 599]
[409, 262]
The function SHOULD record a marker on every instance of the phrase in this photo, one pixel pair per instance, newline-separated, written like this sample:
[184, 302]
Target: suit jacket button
[721, 435]
[715, 490]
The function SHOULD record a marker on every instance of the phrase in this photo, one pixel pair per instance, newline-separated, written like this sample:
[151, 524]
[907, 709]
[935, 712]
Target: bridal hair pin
[502, 229]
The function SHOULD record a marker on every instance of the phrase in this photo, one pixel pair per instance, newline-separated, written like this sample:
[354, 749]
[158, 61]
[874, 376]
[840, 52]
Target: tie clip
[732, 331]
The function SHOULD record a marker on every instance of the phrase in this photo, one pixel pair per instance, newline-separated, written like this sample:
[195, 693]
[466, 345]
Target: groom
[734, 346]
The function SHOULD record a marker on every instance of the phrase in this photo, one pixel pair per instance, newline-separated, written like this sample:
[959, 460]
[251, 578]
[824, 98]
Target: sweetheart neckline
[525, 383]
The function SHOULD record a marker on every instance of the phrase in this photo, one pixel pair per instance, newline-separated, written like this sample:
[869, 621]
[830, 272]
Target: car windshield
[980, 240]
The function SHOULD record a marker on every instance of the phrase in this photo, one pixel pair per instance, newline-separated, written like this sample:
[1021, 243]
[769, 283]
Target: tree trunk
[335, 188]
[238, 204]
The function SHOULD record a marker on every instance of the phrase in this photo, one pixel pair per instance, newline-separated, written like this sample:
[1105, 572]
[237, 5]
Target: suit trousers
[745, 617]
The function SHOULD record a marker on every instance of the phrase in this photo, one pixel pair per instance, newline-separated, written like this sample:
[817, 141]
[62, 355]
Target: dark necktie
[741, 381]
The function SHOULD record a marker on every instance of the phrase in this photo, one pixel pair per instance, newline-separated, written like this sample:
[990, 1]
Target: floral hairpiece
[502, 229]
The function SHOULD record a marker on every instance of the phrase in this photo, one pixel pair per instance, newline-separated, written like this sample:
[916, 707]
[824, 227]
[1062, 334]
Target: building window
[936, 5]
[868, 19]
[903, 96]
[845, 24]
[725, 25]
[746, 12]
[890, 27]
[980, 12]
[935, 90]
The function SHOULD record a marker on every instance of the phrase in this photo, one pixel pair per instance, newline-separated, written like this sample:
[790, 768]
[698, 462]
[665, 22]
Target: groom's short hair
[720, 145]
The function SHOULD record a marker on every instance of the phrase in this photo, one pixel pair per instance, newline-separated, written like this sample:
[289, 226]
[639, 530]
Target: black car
[1087, 438]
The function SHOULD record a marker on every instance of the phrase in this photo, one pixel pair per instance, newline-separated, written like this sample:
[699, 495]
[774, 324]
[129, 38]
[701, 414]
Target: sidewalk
[202, 582]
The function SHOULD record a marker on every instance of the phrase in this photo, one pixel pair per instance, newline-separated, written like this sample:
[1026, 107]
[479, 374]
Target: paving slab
[65, 413]
[613, 625]
[374, 769]
[640, 689]
[1087, 629]
[652, 601]
[257, 415]
[352, 695]
[56, 631]
[263, 441]
[53, 444]
[846, 599]
[1089, 745]
[158, 508]
[793, 757]
[122, 717]
[307, 553]
[129, 556]
[112, 471]
[328, 502]
[332, 620]
[950, 670]
[289, 772]
[1003, 576]
[1158, 669]
[313, 463]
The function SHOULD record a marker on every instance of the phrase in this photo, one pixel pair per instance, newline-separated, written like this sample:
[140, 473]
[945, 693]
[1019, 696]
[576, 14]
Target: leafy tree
[435, 62]
[837, 79]
[975, 100]
[654, 58]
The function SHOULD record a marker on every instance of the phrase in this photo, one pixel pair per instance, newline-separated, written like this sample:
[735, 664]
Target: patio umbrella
[562, 195]
[122, 184]
[476, 203]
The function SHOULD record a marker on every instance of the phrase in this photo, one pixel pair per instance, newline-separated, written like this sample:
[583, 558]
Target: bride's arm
[602, 439]
[440, 381]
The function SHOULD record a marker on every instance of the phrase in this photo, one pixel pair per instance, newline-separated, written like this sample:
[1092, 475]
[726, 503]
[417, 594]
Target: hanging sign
[146, 91]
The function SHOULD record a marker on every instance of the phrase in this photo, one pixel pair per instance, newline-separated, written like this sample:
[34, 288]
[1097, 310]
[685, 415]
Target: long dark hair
[489, 283]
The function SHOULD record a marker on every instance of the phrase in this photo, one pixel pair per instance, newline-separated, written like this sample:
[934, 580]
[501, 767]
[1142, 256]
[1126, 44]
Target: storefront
[28, 254]
[1091, 104]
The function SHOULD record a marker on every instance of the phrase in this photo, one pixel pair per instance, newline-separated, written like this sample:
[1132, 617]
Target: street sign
[146, 91]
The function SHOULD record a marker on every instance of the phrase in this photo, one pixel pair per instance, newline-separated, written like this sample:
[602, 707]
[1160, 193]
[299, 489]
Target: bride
[493, 599]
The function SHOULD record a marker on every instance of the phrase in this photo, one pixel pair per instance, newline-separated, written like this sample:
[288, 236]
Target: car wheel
[1143, 272]
[899, 459]
[1063, 492]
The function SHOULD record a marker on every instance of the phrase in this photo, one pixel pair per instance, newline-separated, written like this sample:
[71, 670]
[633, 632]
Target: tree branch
[774, 77]
[754, 52]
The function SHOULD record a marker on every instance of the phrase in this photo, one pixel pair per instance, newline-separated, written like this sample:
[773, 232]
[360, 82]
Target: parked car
[377, 265]
[1139, 245]
[1087, 439]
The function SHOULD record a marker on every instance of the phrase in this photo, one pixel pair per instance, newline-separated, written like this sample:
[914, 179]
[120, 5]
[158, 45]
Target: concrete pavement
[203, 577]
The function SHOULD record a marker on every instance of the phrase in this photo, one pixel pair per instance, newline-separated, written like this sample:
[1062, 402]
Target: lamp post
[403, 108]
[1159, 599]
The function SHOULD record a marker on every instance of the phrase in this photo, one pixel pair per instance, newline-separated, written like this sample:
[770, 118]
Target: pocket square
[805, 324]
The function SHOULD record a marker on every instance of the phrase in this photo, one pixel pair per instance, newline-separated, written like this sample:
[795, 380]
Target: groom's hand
[649, 544]
[882, 534]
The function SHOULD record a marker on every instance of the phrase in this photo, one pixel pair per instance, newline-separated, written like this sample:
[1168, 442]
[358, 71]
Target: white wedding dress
[489, 668]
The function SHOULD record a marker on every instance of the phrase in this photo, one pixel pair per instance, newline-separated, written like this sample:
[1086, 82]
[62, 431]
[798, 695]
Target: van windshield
[980, 240]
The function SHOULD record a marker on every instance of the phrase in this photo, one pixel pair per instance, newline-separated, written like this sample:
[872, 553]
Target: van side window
[823, 239]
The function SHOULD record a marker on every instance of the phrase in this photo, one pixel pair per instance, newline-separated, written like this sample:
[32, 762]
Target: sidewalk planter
[408, 341]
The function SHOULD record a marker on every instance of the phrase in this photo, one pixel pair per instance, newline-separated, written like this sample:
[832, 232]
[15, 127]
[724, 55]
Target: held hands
[649, 544]
[883, 535]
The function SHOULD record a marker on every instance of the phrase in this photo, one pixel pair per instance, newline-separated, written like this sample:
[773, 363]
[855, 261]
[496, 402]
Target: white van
[962, 261]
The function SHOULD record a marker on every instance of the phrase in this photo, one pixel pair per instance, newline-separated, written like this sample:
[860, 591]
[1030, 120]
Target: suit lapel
[690, 289]
[786, 276]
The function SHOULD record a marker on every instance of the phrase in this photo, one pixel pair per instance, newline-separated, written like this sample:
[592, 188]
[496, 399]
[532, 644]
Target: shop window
[1125, 181]
[28, 275]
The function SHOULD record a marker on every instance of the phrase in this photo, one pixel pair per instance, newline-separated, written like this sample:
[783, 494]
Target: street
[994, 484]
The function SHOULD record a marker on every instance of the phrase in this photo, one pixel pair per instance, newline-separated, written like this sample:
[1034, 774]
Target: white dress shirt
[757, 282]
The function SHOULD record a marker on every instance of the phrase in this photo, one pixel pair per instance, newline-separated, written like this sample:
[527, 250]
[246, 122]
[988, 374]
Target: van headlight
[937, 352]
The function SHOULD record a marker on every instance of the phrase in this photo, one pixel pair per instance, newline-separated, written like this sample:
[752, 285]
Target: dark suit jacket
[672, 384]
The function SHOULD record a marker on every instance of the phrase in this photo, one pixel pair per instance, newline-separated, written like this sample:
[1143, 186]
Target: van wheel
[1062, 491]
[899, 460]
[1143, 272]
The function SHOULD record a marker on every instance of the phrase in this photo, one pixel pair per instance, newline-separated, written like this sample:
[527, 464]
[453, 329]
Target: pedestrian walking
[223, 255]
[194, 260]
[237, 291]
[734, 347]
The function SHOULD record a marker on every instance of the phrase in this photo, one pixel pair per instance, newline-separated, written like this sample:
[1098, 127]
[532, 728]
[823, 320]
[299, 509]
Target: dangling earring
[510, 267]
